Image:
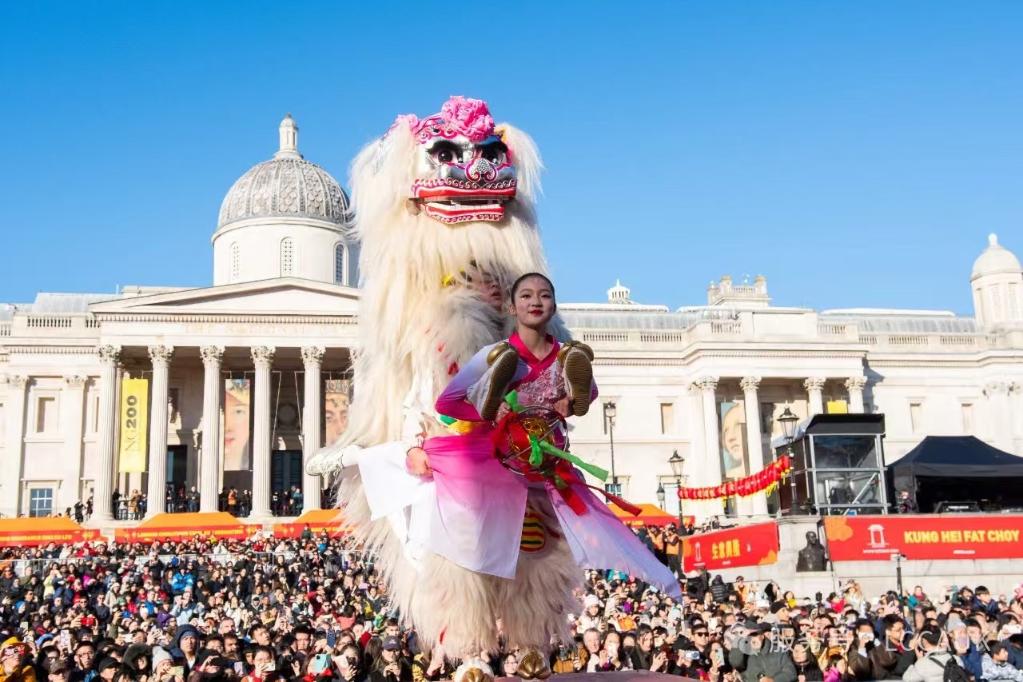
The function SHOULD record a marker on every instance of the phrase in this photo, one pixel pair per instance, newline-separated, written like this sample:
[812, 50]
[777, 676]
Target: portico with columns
[187, 344]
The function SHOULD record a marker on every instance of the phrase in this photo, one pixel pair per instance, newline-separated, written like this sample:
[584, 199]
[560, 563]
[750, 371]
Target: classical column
[10, 502]
[712, 444]
[263, 358]
[72, 412]
[1000, 411]
[209, 463]
[157, 492]
[855, 387]
[312, 357]
[102, 510]
[815, 389]
[751, 401]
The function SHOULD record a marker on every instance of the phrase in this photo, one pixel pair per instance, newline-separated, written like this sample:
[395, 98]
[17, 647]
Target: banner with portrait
[134, 425]
[337, 396]
[732, 440]
[237, 421]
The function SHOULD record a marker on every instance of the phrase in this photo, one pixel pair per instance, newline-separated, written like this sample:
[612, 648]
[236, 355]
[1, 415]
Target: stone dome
[285, 186]
[995, 260]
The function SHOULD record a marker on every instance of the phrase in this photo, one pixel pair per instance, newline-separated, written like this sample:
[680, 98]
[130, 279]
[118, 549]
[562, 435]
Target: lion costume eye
[446, 152]
[495, 152]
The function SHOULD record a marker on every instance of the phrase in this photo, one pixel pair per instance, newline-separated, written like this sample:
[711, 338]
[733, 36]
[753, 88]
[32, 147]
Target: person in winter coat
[930, 667]
[996, 666]
[892, 658]
[13, 665]
[718, 589]
[762, 663]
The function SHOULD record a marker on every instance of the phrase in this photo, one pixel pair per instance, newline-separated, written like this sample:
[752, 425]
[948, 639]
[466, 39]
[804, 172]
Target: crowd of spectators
[266, 610]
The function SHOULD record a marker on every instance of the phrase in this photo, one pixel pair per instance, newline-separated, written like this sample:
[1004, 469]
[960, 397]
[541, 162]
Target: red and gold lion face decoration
[465, 170]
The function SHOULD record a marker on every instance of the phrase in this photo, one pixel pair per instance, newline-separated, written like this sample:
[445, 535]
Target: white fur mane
[409, 321]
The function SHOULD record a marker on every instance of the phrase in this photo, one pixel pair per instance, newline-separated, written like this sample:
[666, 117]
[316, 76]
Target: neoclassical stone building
[247, 377]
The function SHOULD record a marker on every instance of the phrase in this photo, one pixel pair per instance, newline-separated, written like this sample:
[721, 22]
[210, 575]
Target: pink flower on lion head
[459, 116]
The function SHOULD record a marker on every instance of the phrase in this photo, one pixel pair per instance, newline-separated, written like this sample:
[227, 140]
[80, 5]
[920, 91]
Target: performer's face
[487, 286]
[533, 304]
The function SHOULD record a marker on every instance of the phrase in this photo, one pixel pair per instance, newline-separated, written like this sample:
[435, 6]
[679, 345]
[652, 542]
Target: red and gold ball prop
[521, 429]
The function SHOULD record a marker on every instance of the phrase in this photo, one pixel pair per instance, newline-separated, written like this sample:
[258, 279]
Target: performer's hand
[417, 463]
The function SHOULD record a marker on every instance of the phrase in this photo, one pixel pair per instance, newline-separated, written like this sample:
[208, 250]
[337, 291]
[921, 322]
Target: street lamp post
[675, 462]
[610, 411]
[788, 422]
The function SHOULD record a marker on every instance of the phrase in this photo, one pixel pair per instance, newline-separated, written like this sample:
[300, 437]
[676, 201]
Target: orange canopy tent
[650, 515]
[178, 527]
[32, 532]
[318, 520]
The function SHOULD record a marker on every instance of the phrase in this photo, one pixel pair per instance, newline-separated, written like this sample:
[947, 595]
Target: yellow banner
[134, 424]
[838, 407]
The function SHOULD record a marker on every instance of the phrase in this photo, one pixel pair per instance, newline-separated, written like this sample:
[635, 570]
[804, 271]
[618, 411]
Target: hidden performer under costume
[438, 201]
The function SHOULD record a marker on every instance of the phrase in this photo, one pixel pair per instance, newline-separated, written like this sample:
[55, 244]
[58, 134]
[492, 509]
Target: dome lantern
[288, 132]
[997, 283]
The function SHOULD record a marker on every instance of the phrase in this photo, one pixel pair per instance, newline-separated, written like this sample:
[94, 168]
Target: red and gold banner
[766, 479]
[755, 545]
[180, 527]
[36, 532]
[924, 537]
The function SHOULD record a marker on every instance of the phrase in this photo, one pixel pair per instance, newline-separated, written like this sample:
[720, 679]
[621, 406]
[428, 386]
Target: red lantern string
[767, 479]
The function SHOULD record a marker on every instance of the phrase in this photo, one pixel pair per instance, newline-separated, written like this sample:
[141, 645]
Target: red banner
[755, 545]
[924, 536]
[35, 532]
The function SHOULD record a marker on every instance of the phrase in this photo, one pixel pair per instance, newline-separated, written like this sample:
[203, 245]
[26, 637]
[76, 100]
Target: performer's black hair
[523, 278]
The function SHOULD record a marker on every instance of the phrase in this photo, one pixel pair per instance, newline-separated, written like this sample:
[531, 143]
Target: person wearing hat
[186, 640]
[12, 662]
[391, 666]
[934, 659]
[107, 668]
[761, 663]
[57, 670]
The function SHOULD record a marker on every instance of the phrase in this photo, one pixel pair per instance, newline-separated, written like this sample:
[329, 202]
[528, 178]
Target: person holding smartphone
[391, 666]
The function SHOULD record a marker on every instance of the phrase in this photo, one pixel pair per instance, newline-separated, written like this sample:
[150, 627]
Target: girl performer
[530, 534]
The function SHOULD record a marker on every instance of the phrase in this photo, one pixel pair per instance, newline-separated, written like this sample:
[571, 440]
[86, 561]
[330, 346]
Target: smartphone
[320, 663]
[270, 667]
[331, 638]
[65, 640]
[718, 655]
[177, 671]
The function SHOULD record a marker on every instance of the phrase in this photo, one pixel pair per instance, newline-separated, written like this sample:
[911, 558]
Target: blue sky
[857, 154]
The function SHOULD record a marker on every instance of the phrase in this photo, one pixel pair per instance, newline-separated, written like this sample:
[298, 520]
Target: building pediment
[281, 296]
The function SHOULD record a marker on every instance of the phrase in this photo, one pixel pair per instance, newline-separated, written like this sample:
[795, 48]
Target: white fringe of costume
[412, 328]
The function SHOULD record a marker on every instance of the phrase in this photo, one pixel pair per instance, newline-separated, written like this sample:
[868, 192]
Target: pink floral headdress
[459, 116]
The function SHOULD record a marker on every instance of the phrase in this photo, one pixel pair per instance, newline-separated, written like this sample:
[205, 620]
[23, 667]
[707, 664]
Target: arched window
[235, 261]
[339, 263]
[287, 256]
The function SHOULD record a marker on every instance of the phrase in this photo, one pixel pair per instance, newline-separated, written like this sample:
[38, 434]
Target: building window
[916, 417]
[235, 261]
[46, 414]
[40, 502]
[966, 410]
[667, 418]
[287, 256]
[339, 264]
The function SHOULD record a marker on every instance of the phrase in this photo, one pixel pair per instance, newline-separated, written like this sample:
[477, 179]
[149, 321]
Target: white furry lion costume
[438, 203]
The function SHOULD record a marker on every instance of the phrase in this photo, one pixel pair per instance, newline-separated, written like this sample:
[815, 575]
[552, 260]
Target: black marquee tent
[959, 469]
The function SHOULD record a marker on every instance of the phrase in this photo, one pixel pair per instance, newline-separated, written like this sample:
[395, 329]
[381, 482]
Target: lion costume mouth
[451, 200]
